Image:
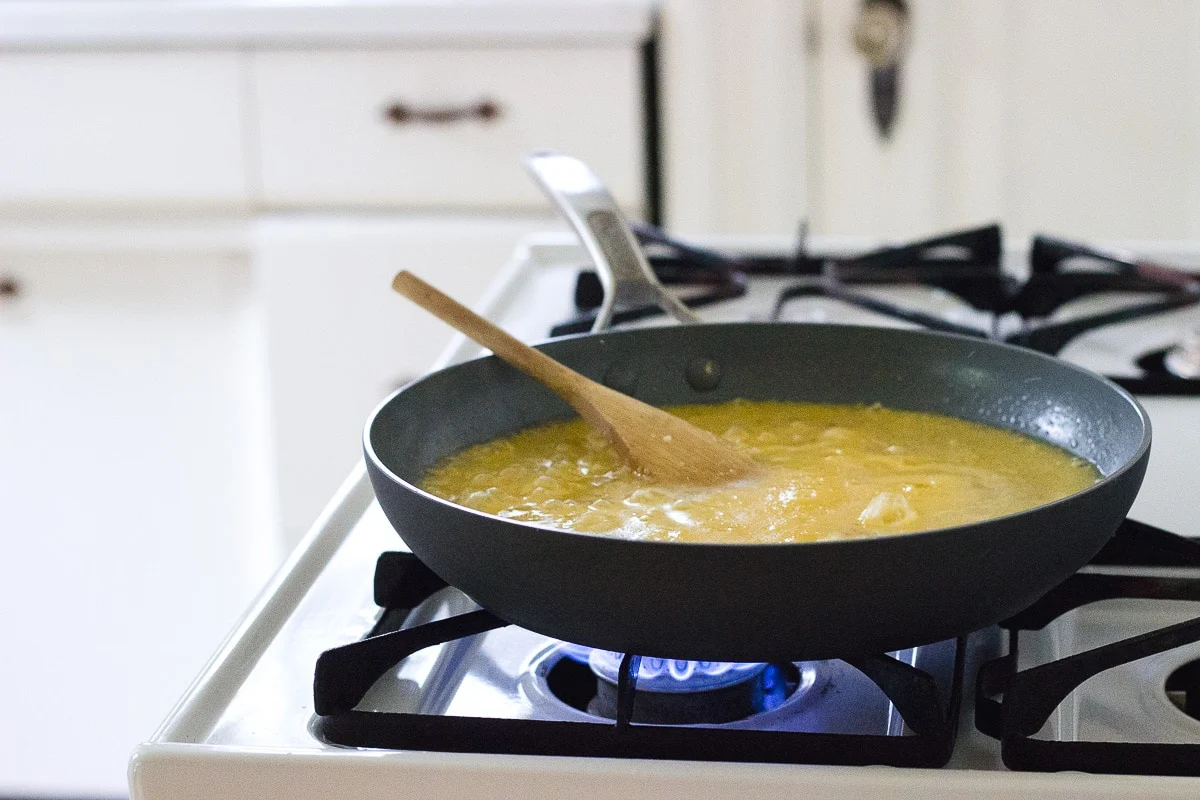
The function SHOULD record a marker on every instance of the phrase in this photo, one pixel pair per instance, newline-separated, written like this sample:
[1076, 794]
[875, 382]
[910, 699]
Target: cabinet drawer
[443, 128]
[121, 128]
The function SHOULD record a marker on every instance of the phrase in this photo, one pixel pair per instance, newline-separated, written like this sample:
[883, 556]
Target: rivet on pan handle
[587, 204]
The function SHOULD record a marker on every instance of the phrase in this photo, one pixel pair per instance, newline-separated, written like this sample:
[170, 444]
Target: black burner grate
[964, 263]
[345, 674]
[967, 265]
[1010, 705]
[1030, 696]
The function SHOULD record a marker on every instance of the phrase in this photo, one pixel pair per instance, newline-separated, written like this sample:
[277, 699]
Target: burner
[665, 675]
[758, 691]
[669, 692]
[1064, 646]
[1183, 688]
[1183, 360]
[899, 709]
[1161, 374]
[695, 692]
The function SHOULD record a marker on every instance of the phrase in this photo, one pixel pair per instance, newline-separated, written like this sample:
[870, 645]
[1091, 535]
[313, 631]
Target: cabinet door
[132, 486]
[1072, 116]
[339, 339]
[122, 129]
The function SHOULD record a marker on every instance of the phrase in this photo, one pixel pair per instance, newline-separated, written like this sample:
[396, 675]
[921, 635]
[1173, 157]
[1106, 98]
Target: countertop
[54, 24]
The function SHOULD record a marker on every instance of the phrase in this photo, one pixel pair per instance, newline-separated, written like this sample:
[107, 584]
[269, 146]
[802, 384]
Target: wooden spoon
[655, 443]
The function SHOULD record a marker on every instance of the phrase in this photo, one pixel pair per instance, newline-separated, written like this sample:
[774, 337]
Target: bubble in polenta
[832, 472]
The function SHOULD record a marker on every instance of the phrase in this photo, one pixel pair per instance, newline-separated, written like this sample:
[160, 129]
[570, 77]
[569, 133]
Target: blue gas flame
[672, 675]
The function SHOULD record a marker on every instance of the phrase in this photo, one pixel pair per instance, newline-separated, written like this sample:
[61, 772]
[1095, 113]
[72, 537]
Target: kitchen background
[201, 204]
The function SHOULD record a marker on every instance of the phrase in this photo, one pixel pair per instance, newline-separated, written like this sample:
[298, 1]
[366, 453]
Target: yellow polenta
[832, 472]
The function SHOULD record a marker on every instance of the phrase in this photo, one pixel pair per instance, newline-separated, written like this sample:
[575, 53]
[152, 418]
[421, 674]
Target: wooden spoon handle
[562, 380]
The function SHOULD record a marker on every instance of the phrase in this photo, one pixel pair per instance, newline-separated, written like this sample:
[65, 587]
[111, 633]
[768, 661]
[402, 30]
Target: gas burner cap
[666, 675]
[1183, 360]
[560, 679]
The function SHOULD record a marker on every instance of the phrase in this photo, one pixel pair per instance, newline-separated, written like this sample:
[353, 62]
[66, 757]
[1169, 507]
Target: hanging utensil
[881, 36]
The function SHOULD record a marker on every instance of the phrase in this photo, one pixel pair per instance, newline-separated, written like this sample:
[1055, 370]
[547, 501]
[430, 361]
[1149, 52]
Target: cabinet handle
[9, 288]
[406, 114]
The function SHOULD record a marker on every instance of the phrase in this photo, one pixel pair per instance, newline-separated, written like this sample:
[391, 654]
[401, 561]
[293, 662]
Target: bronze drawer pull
[404, 114]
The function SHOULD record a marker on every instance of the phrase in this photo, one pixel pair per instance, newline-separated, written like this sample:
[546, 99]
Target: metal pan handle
[587, 204]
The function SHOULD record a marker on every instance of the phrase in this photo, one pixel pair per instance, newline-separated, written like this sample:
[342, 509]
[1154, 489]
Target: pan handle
[587, 204]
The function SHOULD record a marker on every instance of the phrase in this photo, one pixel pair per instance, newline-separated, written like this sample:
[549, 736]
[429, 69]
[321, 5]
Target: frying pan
[757, 602]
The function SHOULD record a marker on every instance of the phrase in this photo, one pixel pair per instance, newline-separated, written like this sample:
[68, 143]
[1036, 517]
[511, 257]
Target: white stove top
[245, 727]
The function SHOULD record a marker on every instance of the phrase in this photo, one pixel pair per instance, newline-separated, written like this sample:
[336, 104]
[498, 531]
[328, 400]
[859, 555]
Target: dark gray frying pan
[756, 602]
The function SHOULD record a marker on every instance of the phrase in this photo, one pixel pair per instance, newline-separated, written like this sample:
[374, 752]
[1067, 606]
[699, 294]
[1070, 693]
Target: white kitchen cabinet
[184, 366]
[442, 127]
[186, 374]
[339, 339]
[389, 163]
[307, 130]
[1070, 116]
[135, 500]
[1075, 117]
[734, 112]
[161, 129]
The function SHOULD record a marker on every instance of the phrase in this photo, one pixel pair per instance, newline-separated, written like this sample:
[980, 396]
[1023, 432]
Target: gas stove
[358, 671]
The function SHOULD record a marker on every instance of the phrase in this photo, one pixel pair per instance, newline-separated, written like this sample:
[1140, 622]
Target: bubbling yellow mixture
[833, 472]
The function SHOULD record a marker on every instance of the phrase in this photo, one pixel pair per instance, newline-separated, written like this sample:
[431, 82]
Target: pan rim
[1130, 463]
